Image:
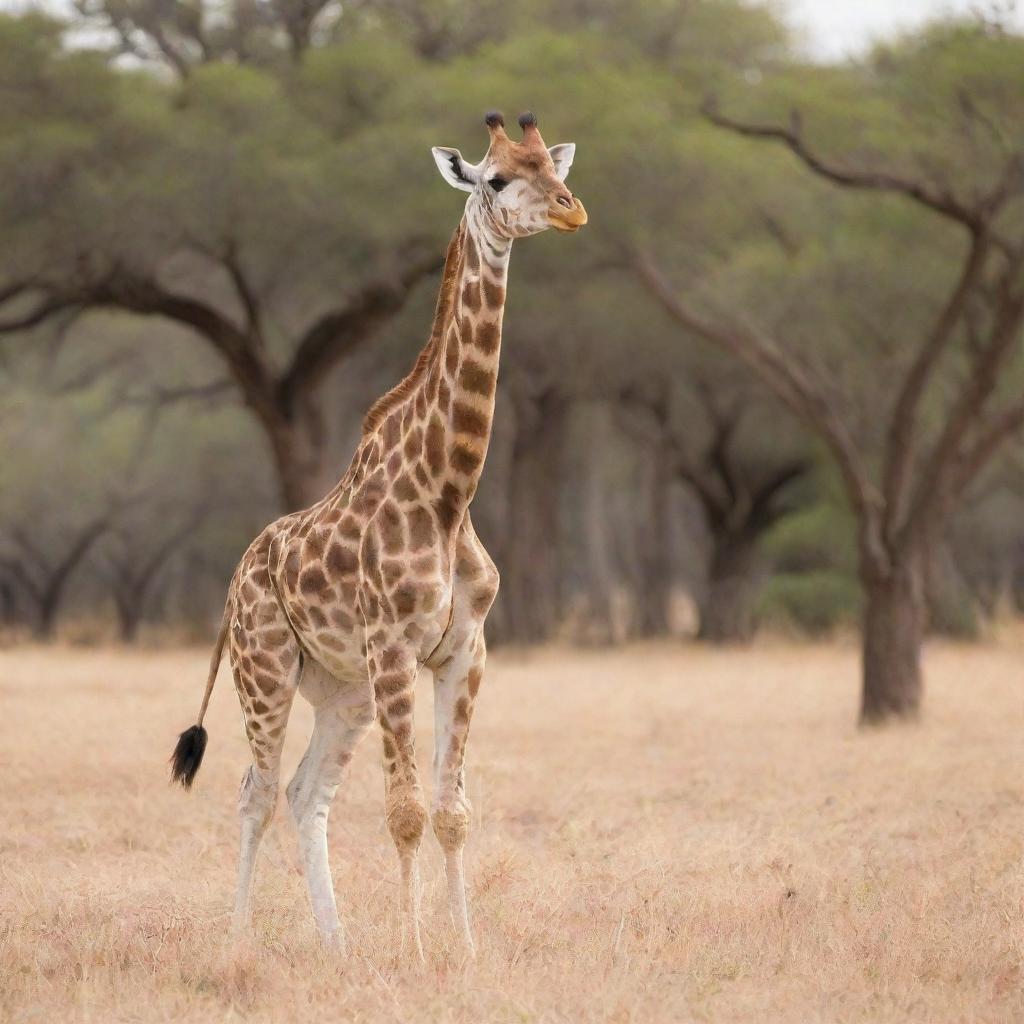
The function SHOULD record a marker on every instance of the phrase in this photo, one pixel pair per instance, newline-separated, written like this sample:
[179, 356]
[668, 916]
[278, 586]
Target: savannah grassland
[661, 834]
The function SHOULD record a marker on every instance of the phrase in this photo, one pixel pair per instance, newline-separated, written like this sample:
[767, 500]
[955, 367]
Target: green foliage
[819, 537]
[814, 603]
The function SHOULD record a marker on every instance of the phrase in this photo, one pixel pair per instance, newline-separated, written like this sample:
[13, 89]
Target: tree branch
[764, 510]
[715, 508]
[802, 393]
[996, 433]
[336, 334]
[900, 446]
[237, 348]
[938, 478]
[940, 200]
[78, 550]
[43, 310]
[29, 546]
[162, 397]
[18, 571]
[250, 303]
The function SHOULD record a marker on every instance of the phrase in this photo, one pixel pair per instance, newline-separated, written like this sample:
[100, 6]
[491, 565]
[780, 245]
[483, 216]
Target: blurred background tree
[934, 122]
[221, 235]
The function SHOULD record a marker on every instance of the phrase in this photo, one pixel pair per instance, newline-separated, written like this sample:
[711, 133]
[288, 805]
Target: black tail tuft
[188, 755]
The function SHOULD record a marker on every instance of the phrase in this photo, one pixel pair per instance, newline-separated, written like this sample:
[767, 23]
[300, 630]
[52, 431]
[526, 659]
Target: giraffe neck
[459, 387]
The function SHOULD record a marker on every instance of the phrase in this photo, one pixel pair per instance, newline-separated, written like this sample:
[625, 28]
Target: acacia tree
[741, 503]
[743, 492]
[214, 205]
[42, 570]
[941, 430]
[184, 35]
[134, 559]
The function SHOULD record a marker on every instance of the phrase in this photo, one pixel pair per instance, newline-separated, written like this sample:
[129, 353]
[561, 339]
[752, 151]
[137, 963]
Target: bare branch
[338, 333]
[900, 446]
[804, 394]
[148, 298]
[940, 200]
[16, 288]
[86, 376]
[939, 475]
[30, 547]
[89, 534]
[16, 569]
[993, 436]
[250, 303]
[43, 310]
[163, 397]
[715, 508]
[766, 509]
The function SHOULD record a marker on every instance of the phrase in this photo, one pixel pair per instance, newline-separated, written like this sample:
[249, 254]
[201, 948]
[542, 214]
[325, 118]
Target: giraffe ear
[454, 169]
[561, 157]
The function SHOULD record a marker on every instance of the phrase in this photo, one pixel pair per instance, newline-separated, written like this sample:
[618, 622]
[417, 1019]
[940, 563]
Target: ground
[661, 834]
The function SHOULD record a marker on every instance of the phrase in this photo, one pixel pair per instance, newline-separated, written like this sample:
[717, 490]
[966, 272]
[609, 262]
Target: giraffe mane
[442, 317]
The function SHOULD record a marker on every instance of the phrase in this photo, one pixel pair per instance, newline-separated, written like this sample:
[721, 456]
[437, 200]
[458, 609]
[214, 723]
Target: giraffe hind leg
[266, 663]
[344, 713]
[458, 672]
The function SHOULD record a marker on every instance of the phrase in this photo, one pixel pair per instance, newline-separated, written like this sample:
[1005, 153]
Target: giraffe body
[344, 602]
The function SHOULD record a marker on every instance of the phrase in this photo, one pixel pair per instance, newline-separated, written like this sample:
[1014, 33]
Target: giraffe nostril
[565, 201]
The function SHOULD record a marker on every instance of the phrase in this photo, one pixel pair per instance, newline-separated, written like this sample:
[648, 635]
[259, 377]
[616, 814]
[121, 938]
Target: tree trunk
[129, 617]
[298, 451]
[8, 604]
[589, 510]
[727, 612]
[530, 560]
[894, 621]
[46, 621]
[655, 582]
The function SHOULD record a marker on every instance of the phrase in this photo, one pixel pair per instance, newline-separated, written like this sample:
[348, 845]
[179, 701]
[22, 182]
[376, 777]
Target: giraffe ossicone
[345, 601]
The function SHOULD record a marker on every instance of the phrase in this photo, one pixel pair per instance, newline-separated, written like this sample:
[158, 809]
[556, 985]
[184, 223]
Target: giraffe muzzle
[567, 218]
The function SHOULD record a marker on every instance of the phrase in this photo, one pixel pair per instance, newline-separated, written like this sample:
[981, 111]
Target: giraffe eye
[497, 184]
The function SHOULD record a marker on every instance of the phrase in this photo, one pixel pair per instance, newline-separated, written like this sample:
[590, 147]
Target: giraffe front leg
[393, 669]
[456, 682]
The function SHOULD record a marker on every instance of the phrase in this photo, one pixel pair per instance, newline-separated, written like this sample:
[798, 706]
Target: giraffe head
[518, 187]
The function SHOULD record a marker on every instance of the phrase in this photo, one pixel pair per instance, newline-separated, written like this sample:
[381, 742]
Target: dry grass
[662, 834]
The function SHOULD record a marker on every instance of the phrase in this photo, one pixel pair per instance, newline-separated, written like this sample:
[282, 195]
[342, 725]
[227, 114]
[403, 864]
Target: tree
[183, 35]
[52, 510]
[214, 206]
[743, 489]
[42, 573]
[930, 452]
[133, 563]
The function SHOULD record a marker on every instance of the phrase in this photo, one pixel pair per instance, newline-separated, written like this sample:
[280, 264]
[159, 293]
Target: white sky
[842, 28]
[832, 28]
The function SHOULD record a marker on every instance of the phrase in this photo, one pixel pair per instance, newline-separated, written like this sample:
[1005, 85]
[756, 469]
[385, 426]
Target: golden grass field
[661, 834]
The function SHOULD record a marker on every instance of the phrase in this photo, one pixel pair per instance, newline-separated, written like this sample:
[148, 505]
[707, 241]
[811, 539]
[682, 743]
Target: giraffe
[345, 601]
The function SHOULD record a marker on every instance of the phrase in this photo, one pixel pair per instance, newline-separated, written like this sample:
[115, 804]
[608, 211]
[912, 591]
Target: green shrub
[814, 602]
[820, 537]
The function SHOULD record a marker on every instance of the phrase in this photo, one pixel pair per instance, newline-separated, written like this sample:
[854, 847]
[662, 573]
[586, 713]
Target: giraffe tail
[188, 753]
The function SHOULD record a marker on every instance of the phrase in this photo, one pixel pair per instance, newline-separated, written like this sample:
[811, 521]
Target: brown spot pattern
[467, 420]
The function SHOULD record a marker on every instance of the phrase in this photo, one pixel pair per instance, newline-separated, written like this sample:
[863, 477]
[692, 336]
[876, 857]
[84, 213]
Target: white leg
[341, 722]
[455, 686]
[256, 801]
